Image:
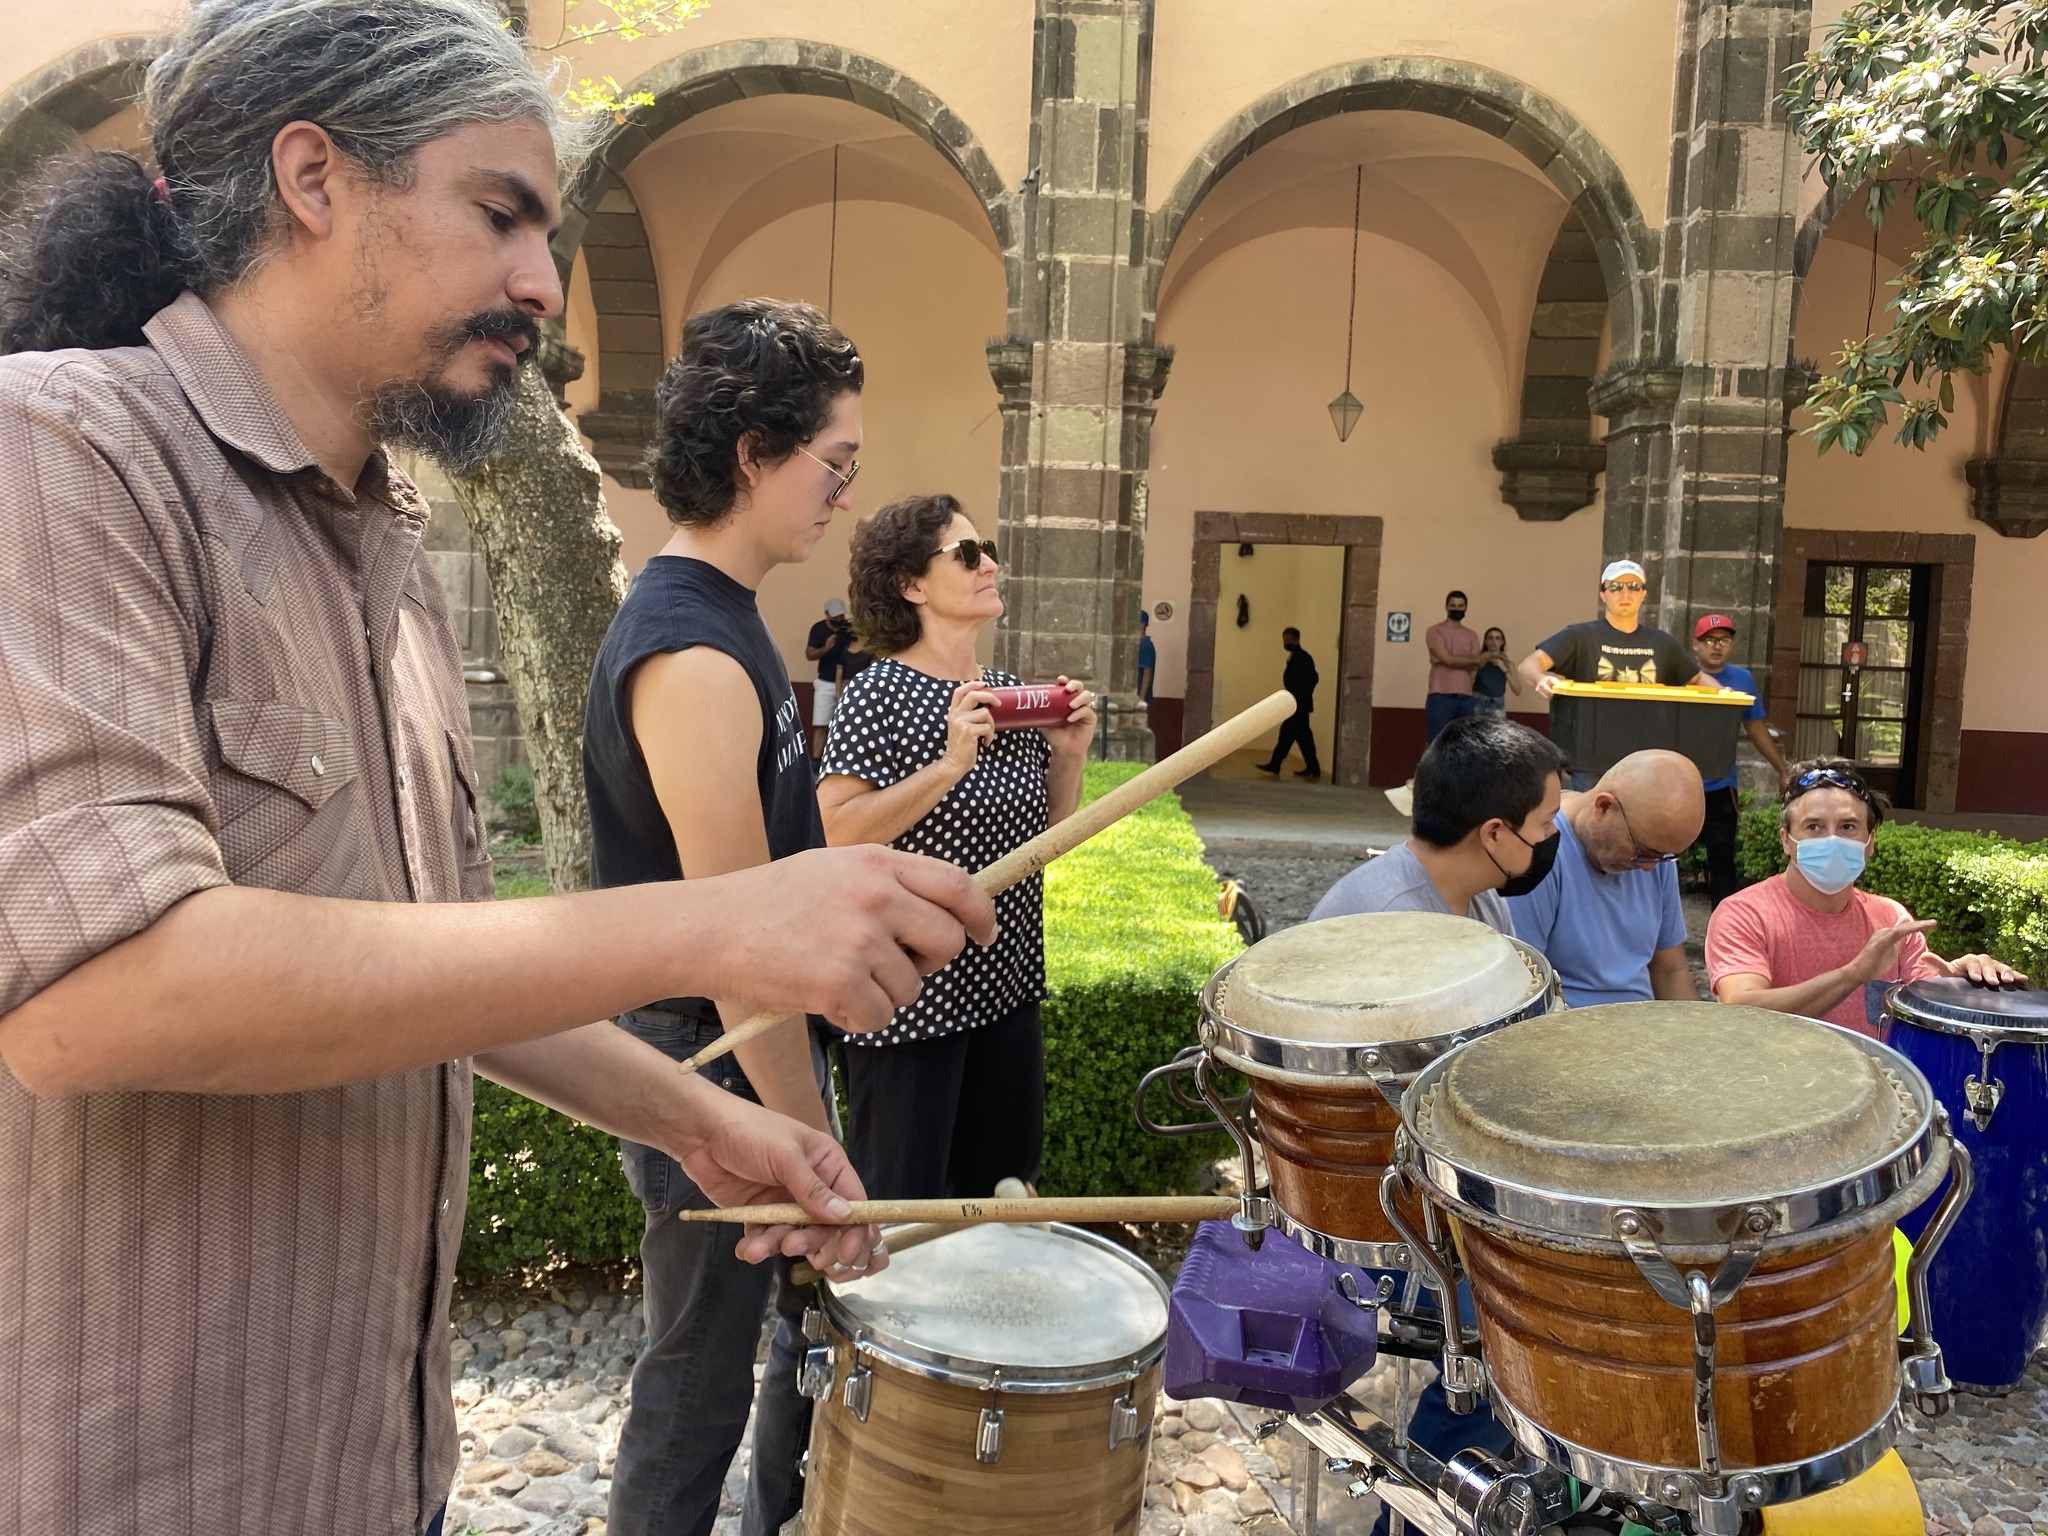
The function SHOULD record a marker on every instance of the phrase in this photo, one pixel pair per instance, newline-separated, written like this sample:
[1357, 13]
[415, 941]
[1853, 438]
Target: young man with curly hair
[696, 765]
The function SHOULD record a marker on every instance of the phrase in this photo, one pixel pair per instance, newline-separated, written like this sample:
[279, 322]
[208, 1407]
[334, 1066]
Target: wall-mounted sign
[1399, 627]
[1854, 654]
[1162, 611]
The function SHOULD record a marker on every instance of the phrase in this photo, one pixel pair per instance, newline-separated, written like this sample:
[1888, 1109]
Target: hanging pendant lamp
[1346, 409]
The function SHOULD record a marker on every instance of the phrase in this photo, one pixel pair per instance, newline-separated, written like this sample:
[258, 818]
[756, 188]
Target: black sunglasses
[1834, 778]
[969, 552]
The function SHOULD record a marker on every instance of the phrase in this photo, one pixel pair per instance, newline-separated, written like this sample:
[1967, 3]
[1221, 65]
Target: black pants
[1296, 733]
[948, 1118]
[1717, 836]
[694, 1382]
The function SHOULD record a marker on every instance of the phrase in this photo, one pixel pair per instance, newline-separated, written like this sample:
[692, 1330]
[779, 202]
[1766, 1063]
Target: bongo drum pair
[1677, 1223]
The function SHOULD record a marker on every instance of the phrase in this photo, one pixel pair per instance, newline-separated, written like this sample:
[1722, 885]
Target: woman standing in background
[950, 1098]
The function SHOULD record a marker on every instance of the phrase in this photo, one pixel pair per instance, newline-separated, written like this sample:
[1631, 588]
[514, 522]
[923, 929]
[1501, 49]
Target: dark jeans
[1296, 733]
[1717, 836]
[695, 1380]
[951, 1117]
[434, 1525]
[1440, 709]
[1432, 1425]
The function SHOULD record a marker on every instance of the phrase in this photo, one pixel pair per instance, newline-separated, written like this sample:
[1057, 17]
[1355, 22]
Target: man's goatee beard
[457, 432]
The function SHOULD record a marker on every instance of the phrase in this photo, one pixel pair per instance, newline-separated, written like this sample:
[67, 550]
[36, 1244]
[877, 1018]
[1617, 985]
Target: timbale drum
[1986, 1054]
[1676, 1219]
[998, 1379]
[1329, 1021]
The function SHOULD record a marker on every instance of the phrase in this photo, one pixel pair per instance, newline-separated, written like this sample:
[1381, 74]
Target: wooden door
[1862, 670]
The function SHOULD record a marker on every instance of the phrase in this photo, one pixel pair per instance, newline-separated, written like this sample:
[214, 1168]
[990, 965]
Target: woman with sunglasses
[950, 1098]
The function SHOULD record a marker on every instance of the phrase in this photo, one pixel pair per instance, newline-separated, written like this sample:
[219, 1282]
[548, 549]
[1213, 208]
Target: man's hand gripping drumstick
[1204, 751]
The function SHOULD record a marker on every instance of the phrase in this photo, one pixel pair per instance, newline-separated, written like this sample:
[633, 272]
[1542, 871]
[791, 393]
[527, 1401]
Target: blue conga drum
[1985, 1051]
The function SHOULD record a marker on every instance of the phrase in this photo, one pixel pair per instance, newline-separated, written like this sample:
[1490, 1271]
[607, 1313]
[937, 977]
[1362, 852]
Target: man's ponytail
[95, 256]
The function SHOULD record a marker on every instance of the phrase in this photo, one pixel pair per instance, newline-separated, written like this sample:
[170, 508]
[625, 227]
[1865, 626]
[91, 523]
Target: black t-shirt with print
[891, 721]
[1597, 652]
[675, 604]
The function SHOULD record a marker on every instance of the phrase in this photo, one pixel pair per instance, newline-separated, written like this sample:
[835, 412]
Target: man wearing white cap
[829, 645]
[1614, 648]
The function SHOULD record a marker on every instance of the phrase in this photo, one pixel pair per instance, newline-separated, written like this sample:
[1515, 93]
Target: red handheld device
[1032, 704]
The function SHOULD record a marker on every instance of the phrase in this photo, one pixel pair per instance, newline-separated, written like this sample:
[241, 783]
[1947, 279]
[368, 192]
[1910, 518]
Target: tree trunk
[537, 513]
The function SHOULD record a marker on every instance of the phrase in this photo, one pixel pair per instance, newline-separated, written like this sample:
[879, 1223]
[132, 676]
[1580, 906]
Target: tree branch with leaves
[1948, 104]
[586, 21]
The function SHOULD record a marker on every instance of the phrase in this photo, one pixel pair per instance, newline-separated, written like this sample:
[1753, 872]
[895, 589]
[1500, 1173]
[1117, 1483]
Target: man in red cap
[1713, 637]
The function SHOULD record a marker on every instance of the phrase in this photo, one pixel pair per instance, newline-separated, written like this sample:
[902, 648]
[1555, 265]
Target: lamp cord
[1351, 313]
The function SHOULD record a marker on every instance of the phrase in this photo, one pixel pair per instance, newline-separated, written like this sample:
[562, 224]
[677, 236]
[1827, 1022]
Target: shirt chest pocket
[286, 796]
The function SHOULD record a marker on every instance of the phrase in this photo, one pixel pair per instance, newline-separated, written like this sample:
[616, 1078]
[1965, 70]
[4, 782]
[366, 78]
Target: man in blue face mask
[1809, 942]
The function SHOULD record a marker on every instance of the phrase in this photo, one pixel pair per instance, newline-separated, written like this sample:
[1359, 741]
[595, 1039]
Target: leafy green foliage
[1988, 894]
[1948, 102]
[514, 816]
[544, 1190]
[1131, 933]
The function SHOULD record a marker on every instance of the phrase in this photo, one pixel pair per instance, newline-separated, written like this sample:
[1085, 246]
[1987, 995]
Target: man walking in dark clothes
[1300, 680]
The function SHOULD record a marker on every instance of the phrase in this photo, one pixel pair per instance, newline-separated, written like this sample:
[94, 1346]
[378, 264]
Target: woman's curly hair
[889, 549]
[764, 369]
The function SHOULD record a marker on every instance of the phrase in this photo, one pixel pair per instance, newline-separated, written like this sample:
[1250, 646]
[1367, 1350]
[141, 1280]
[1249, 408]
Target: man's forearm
[1671, 978]
[243, 990]
[1812, 997]
[605, 1077]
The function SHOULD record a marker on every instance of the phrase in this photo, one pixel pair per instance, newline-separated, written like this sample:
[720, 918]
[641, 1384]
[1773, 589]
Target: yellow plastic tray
[1656, 692]
[1882, 1502]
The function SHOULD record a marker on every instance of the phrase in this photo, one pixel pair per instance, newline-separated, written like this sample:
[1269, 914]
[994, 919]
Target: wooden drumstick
[1026, 860]
[1070, 1208]
[903, 1239]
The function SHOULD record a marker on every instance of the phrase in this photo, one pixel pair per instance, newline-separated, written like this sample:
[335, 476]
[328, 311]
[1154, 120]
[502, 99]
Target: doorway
[1309, 560]
[1863, 670]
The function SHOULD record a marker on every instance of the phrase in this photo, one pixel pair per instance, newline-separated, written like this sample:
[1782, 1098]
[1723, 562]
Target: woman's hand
[968, 725]
[1071, 739]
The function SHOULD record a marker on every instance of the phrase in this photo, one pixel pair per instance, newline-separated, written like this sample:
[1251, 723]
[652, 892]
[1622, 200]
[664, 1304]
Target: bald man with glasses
[1607, 916]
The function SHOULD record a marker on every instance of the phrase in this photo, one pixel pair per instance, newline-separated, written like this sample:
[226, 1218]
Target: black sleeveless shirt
[676, 603]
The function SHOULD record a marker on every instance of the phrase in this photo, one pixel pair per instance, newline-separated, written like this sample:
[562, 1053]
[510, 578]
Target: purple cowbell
[1268, 1327]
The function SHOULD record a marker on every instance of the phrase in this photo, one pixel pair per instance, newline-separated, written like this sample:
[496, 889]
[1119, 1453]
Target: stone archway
[1549, 467]
[42, 116]
[1542, 132]
[601, 219]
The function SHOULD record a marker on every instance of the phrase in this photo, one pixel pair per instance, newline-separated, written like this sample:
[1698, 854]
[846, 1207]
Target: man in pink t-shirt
[1453, 659]
[1809, 941]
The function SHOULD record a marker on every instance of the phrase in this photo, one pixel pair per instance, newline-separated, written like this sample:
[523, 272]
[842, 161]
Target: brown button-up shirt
[218, 1314]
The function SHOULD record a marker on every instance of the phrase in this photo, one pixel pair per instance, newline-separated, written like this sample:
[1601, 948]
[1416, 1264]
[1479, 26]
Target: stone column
[1078, 384]
[1710, 539]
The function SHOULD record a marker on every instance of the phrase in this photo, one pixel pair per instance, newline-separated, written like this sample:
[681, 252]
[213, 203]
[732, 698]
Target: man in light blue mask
[1809, 942]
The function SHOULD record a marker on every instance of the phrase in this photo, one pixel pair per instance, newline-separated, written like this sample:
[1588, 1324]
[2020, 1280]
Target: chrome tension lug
[814, 1378]
[1464, 1378]
[1927, 1382]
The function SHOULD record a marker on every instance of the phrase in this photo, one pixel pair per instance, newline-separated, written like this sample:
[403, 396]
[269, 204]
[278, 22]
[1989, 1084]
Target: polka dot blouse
[891, 721]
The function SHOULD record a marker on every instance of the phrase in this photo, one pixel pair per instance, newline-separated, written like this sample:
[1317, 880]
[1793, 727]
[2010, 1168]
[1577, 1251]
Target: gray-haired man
[242, 967]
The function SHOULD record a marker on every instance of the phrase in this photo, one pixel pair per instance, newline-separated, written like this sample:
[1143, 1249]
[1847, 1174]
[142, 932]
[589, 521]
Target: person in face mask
[1809, 942]
[1485, 795]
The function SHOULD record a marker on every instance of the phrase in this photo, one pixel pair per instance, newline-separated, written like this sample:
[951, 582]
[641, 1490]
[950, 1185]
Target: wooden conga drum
[998, 1379]
[1329, 1021]
[1614, 1174]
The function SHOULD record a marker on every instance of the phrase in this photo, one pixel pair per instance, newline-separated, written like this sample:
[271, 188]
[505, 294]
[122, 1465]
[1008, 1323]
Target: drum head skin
[1376, 976]
[1958, 1004]
[1666, 1104]
[1012, 1296]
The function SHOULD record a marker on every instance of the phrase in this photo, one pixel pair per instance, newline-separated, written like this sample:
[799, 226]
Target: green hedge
[1987, 894]
[543, 1190]
[1132, 932]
